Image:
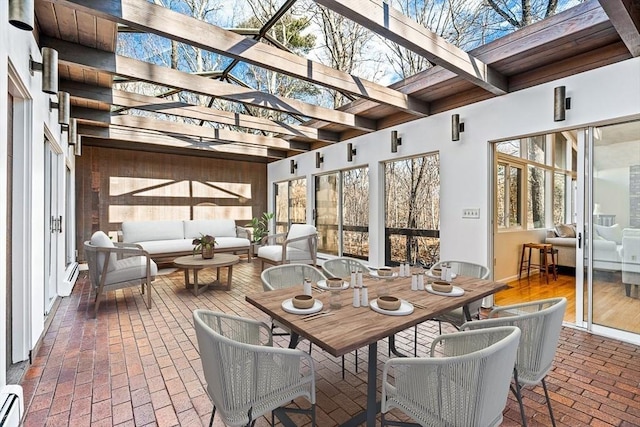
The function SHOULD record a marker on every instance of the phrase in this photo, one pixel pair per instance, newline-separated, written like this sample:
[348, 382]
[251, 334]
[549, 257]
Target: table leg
[186, 278]
[196, 291]
[293, 340]
[229, 274]
[372, 386]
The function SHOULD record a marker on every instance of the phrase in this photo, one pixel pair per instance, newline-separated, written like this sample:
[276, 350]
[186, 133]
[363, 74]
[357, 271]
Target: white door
[53, 224]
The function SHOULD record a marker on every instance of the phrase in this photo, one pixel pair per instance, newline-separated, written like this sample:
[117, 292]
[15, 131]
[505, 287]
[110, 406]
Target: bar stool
[545, 265]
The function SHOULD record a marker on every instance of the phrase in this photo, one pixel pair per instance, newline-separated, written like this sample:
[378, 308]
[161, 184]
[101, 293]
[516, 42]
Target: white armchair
[300, 245]
[467, 386]
[246, 377]
[117, 265]
[630, 258]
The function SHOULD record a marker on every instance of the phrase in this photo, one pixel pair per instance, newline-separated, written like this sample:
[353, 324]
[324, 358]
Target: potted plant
[204, 244]
[260, 226]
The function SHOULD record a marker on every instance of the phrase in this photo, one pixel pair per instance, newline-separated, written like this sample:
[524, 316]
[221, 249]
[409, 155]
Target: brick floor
[136, 367]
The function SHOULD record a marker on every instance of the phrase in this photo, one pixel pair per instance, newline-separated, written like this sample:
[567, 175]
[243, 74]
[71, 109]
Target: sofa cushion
[100, 239]
[613, 233]
[155, 247]
[143, 231]
[565, 230]
[231, 242]
[213, 227]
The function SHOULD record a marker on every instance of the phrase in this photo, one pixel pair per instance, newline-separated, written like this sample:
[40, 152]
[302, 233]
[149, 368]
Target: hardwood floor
[612, 307]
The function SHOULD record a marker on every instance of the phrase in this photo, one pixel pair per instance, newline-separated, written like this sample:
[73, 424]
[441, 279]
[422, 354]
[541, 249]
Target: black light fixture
[21, 14]
[64, 108]
[560, 103]
[350, 152]
[319, 159]
[72, 136]
[395, 141]
[293, 166]
[456, 127]
[49, 69]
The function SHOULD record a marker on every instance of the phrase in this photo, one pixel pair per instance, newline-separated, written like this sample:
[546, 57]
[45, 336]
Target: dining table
[339, 331]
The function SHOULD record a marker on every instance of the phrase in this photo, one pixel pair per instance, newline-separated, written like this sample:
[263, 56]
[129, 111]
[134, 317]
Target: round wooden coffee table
[197, 263]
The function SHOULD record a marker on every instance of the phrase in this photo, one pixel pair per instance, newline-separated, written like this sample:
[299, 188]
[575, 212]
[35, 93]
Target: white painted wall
[28, 268]
[601, 96]
[611, 191]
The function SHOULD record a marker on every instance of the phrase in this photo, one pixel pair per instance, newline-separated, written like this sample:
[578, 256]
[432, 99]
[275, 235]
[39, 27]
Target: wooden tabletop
[218, 260]
[350, 328]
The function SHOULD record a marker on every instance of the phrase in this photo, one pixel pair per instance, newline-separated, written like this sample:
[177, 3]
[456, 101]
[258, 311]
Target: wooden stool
[545, 249]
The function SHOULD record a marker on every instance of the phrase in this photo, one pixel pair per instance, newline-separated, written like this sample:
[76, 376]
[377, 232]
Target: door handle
[579, 240]
[60, 224]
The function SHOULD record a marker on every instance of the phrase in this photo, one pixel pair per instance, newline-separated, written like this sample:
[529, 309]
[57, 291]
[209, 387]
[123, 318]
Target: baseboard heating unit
[70, 277]
[11, 406]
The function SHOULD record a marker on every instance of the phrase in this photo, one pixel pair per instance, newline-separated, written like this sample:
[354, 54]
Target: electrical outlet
[471, 213]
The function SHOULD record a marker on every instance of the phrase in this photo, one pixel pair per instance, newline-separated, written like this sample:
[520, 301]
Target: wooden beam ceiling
[146, 16]
[377, 16]
[625, 17]
[182, 109]
[93, 59]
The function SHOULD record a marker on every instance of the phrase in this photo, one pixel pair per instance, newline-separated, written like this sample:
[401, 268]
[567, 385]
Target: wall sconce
[560, 103]
[49, 69]
[21, 14]
[64, 108]
[395, 141]
[293, 166]
[350, 152]
[72, 136]
[319, 160]
[456, 127]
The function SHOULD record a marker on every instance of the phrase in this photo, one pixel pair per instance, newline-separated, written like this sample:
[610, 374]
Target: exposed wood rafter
[377, 16]
[152, 18]
[625, 17]
[73, 54]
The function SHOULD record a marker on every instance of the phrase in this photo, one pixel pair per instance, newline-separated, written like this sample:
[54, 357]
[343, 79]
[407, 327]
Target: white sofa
[607, 246]
[167, 240]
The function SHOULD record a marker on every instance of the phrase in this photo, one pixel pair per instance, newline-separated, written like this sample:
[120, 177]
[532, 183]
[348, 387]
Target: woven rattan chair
[115, 266]
[343, 266]
[540, 322]
[289, 275]
[246, 377]
[466, 386]
[457, 317]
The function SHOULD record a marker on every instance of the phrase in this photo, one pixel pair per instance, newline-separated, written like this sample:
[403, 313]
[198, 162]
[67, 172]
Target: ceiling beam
[179, 128]
[94, 59]
[182, 109]
[625, 17]
[379, 17]
[134, 137]
[146, 16]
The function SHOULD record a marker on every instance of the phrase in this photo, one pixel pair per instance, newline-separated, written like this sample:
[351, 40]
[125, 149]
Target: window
[412, 210]
[534, 180]
[343, 227]
[290, 203]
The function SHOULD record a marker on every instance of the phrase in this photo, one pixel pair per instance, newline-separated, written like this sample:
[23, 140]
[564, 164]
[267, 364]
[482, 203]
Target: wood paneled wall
[115, 185]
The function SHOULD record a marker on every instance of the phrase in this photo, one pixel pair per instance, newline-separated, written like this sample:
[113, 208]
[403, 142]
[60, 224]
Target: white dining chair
[247, 377]
[464, 383]
[541, 323]
[457, 316]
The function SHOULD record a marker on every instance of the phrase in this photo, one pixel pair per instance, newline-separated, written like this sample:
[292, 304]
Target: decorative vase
[207, 252]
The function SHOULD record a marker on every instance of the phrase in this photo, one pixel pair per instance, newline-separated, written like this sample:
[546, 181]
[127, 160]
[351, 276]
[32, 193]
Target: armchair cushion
[612, 233]
[300, 230]
[131, 268]
[274, 253]
[100, 239]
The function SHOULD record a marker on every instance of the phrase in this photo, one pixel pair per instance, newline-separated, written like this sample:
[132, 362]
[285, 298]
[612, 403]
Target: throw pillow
[613, 233]
[99, 238]
[565, 230]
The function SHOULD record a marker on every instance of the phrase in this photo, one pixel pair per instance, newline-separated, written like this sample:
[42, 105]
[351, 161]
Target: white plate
[287, 306]
[405, 308]
[455, 292]
[375, 274]
[322, 284]
[428, 273]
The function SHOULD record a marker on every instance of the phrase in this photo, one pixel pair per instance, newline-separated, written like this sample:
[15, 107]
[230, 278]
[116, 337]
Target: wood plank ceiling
[84, 32]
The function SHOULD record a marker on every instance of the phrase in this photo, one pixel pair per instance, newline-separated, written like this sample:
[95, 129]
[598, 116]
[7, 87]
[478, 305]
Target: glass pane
[355, 213]
[412, 209]
[282, 207]
[616, 229]
[560, 151]
[515, 197]
[501, 196]
[559, 198]
[512, 148]
[536, 148]
[536, 199]
[327, 215]
[298, 201]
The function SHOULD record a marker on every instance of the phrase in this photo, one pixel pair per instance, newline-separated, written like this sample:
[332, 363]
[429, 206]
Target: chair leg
[546, 394]
[518, 393]
[415, 341]
[213, 414]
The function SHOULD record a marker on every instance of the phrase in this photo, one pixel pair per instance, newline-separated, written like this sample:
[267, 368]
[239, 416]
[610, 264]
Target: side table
[197, 263]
